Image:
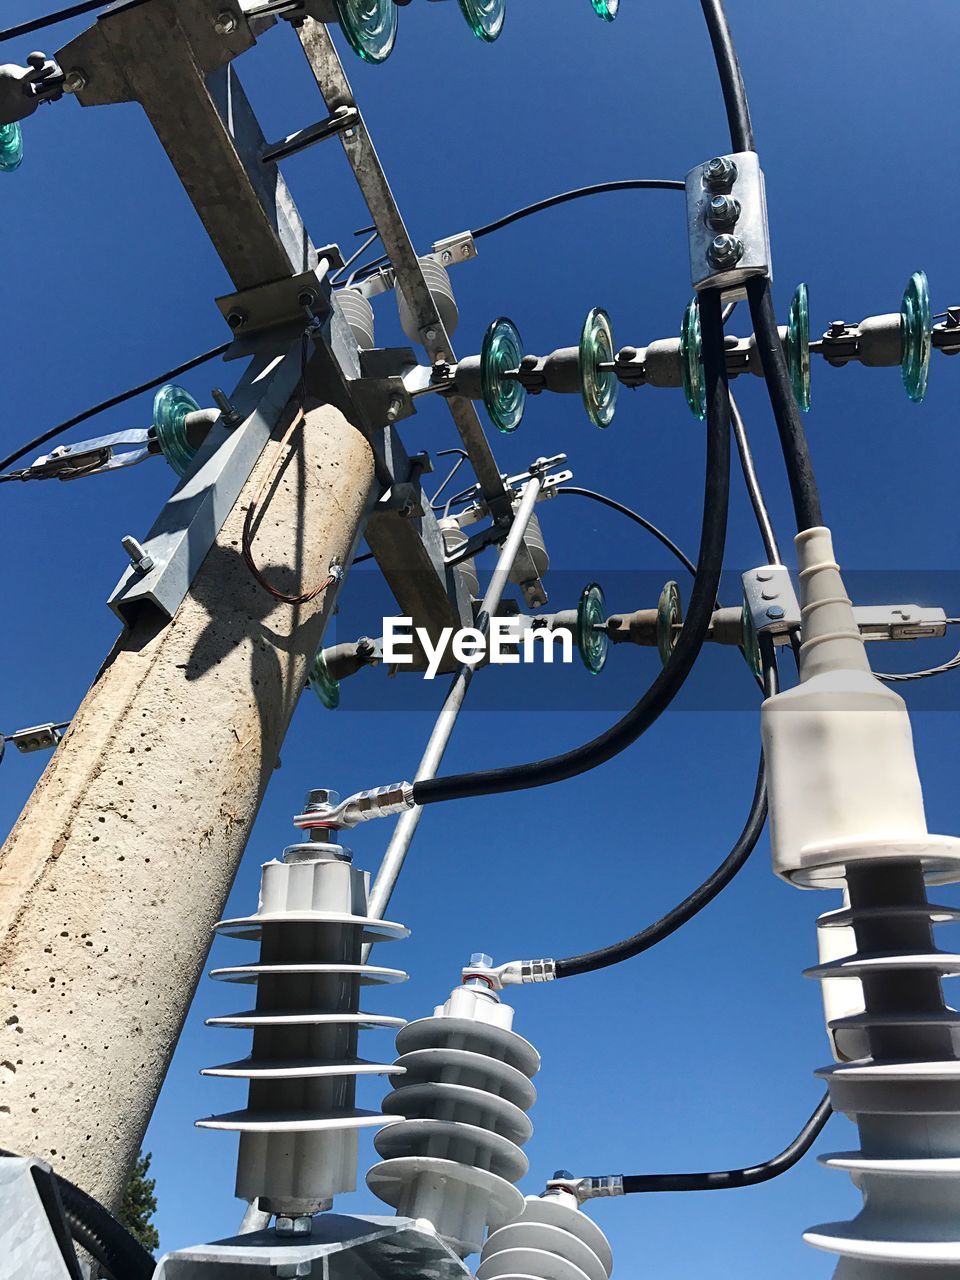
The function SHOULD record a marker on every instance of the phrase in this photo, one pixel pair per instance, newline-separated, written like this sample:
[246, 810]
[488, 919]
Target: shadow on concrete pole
[125, 852]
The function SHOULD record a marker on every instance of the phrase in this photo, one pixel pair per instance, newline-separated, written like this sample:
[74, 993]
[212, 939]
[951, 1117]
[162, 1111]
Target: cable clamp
[588, 1188]
[378, 802]
[770, 600]
[727, 223]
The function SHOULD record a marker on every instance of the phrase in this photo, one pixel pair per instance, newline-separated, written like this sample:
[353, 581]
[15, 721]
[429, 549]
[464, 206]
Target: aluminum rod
[408, 822]
[336, 91]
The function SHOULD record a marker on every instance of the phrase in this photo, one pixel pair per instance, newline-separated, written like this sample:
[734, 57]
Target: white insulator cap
[464, 1097]
[841, 771]
[298, 1144]
[553, 1239]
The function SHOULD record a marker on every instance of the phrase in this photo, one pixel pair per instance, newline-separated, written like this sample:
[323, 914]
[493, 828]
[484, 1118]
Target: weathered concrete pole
[124, 855]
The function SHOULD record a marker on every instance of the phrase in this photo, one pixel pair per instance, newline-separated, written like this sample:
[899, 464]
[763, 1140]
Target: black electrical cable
[692, 635]
[51, 19]
[111, 403]
[731, 77]
[793, 440]
[730, 1178]
[596, 188]
[633, 515]
[702, 896]
[96, 1229]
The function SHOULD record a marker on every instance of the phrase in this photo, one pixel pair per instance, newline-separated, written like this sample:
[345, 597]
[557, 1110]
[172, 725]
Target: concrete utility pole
[124, 855]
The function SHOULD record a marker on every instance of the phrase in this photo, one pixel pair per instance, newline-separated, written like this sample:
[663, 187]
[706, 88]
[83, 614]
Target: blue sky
[699, 1054]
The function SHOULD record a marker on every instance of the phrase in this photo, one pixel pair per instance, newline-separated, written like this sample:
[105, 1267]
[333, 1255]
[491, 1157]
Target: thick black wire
[692, 635]
[50, 19]
[793, 440]
[96, 1229]
[731, 77]
[703, 895]
[110, 404]
[596, 188]
[636, 516]
[727, 1179]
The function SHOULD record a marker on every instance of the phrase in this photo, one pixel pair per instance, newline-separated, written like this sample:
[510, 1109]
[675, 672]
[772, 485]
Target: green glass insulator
[170, 408]
[370, 27]
[598, 387]
[751, 642]
[505, 398]
[798, 346]
[322, 682]
[691, 361]
[592, 642]
[669, 620]
[11, 147]
[484, 17]
[606, 9]
[915, 331]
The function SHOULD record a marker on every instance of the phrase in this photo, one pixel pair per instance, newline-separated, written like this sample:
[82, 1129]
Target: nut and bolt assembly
[225, 23]
[725, 251]
[723, 211]
[719, 174]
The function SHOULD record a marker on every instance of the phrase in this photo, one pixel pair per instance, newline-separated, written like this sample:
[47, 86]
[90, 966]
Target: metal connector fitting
[379, 802]
[512, 974]
[727, 191]
[587, 1188]
[771, 600]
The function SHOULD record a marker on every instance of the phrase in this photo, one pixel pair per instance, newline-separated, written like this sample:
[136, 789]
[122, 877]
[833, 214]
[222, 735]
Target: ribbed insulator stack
[298, 1133]
[904, 1094]
[551, 1240]
[464, 1097]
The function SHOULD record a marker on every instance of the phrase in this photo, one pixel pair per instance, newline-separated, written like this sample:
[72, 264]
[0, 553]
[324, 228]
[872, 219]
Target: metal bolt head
[430, 335]
[562, 1173]
[725, 251]
[300, 1225]
[723, 211]
[225, 23]
[237, 319]
[393, 409]
[775, 612]
[480, 960]
[317, 797]
[307, 298]
[446, 256]
[720, 173]
[75, 81]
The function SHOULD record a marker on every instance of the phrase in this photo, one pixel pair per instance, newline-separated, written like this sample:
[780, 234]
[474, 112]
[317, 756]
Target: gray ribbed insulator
[358, 314]
[536, 546]
[464, 1096]
[298, 1133]
[551, 1240]
[438, 282]
[904, 1095]
[453, 541]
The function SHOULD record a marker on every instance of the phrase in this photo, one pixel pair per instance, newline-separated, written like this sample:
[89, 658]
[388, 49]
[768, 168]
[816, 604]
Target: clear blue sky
[700, 1054]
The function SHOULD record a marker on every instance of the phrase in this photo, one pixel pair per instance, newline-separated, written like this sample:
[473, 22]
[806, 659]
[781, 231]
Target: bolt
[464, 251]
[769, 594]
[764, 575]
[142, 562]
[725, 251]
[562, 1173]
[225, 23]
[318, 798]
[291, 1270]
[393, 408]
[723, 211]
[837, 328]
[75, 81]
[480, 960]
[300, 1224]
[430, 335]
[720, 173]
[775, 612]
[228, 411]
[446, 256]
[237, 319]
[626, 354]
[307, 298]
